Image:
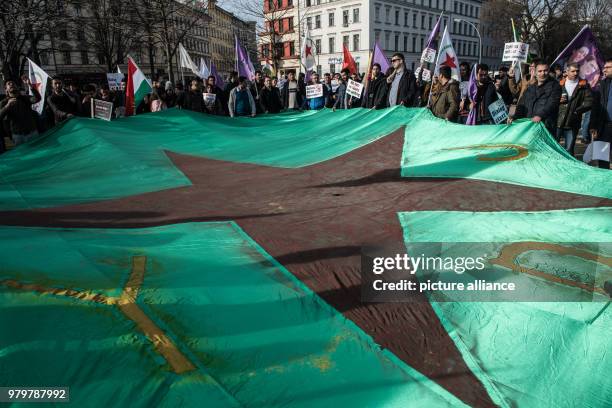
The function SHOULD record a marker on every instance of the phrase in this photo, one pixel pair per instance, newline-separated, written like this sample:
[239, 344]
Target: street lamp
[457, 20]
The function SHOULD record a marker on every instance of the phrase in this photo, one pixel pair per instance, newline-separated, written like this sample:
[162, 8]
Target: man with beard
[485, 95]
[376, 94]
[270, 97]
[16, 109]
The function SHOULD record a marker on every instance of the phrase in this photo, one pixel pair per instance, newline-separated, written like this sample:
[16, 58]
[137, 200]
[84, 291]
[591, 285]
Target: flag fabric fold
[218, 78]
[309, 53]
[378, 56]
[431, 46]
[472, 91]
[186, 61]
[39, 79]
[348, 61]
[136, 88]
[447, 56]
[204, 71]
[244, 66]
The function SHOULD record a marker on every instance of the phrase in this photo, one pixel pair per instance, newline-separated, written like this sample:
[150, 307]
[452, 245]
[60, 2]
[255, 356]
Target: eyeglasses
[395, 60]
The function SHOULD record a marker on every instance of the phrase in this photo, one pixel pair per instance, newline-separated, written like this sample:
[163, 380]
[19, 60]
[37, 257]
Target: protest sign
[114, 81]
[314, 91]
[209, 98]
[428, 55]
[101, 109]
[354, 88]
[498, 110]
[515, 51]
[425, 76]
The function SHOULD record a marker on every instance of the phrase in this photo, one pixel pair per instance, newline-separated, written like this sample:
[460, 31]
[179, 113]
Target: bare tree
[166, 23]
[110, 30]
[23, 24]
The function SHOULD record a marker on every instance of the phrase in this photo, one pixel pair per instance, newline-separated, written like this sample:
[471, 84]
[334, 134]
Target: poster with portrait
[583, 50]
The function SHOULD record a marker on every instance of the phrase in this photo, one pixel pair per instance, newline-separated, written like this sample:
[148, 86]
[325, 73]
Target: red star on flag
[308, 51]
[450, 61]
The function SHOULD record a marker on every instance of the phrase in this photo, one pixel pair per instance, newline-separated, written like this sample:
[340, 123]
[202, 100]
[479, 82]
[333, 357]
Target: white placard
[209, 98]
[354, 88]
[597, 150]
[314, 91]
[101, 109]
[515, 51]
[426, 76]
[114, 80]
[498, 110]
[335, 84]
[428, 55]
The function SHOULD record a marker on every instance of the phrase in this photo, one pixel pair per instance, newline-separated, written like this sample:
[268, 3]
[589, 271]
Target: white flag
[39, 79]
[204, 70]
[309, 53]
[447, 56]
[186, 61]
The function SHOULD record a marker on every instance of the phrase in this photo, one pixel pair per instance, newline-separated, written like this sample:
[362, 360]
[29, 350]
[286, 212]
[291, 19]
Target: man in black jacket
[376, 94]
[401, 83]
[221, 96]
[255, 89]
[575, 100]
[601, 116]
[17, 110]
[485, 95]
[270, 97]
[292, 95]
[194, 100]
[63, 105]
[540, 102]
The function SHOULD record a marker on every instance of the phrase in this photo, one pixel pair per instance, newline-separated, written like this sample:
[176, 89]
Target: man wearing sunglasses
[401, 83]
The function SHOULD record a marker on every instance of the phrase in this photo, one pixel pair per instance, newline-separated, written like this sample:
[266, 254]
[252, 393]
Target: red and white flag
[136, 88]
[39, 79]
[447, 56]
[309, 53]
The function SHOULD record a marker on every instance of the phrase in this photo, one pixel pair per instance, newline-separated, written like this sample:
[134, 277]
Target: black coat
[194, 101]
[570, 113]
[486, 96]
[543, 101]
[407, 92]
[301, 93]
[271, 100]
[376, 94]
[600, 120]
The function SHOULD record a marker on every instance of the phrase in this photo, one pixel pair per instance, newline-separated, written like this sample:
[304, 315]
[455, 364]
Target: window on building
[356, 45]
[387, 40]
[271, 5]
[318, 46]
[397, 17]
[469, 50]
[63, 33]
[405, 43]
[332, 45]
[423, 21]
[388, 15]
[318, 21]
[405, 19]
[345, 40]
[44, 58]
[413, 44]
[67, 57]
[422, 41]
[309, 22]
[430, 22]
[289, 3]
[308, 3]
[460, 8]
[331, 19]
[290, 23]
[345, 18]
[444, 5]
[355, 15]
[454, 27]
[437, 4]
[455, 7]
[377, 36]
[377, 13]
[396, 48]
[414, 20]
[332, 68]
[84, 58]
[291, 48]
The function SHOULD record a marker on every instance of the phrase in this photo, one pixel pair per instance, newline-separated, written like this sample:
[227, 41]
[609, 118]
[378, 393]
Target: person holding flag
[16, 109]
[376, 92]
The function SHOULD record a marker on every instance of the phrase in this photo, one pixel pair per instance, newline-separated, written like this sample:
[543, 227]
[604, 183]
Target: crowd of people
[565, 104]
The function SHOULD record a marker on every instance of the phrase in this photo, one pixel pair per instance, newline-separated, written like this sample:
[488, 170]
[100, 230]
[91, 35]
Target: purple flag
[244, 66]
[429, 52]
[583, 50]
[379, 57]
[218, 78]
[472, 92]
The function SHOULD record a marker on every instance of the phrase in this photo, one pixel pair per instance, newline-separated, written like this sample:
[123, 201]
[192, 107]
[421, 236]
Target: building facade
[69, 50]
[397, 25]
